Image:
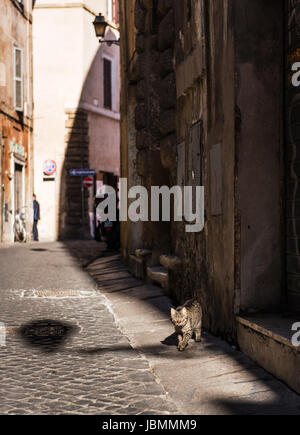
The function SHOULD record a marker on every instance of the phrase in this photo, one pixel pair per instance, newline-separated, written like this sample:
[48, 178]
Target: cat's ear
[184, 311]
[173, 311]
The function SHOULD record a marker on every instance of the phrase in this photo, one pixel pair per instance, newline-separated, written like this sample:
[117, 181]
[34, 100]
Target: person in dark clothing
[36, 218]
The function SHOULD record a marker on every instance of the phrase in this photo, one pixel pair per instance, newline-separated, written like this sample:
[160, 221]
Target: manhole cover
[56, 294]
[44, 328]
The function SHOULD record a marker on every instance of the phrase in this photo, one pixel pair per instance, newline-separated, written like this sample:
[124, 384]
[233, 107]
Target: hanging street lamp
[100, 25]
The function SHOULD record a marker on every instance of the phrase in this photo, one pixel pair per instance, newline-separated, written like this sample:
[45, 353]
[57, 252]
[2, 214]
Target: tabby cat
[187, 319]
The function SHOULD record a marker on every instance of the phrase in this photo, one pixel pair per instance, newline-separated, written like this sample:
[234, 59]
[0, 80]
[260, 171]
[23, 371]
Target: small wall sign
[17, 148]
[88, 181]
[50, 167]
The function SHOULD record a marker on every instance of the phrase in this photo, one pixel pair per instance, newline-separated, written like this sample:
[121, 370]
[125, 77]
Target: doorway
[19, 227]
[18, 188]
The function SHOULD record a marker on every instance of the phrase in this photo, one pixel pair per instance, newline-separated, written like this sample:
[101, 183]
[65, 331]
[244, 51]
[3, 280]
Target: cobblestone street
[77, 361]
[85, 337]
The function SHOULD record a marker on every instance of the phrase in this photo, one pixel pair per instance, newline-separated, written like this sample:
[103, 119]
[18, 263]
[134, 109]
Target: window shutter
[18, 79]
[107, 84]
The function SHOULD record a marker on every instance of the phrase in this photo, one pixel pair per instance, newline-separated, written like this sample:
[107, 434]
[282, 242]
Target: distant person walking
[36, 218]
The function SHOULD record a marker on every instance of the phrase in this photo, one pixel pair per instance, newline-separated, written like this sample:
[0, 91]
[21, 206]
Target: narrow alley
[85, 337]
[150, 208]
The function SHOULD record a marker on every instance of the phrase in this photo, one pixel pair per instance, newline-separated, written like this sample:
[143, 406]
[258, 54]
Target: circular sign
[88, 181]
[49, 167]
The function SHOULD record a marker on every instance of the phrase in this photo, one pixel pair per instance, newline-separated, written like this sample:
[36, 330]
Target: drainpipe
[1, 187]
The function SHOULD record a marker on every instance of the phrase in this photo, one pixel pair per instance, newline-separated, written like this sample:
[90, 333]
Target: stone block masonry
[76, 157]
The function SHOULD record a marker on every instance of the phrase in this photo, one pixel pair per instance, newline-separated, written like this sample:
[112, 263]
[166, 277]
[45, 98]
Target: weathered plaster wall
[15, 127]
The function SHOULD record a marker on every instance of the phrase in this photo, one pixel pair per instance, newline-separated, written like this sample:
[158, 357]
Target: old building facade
[16, 152]
[202, 103]
[76, 94]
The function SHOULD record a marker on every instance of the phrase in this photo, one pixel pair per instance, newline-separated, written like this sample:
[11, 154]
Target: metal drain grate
[58, 294]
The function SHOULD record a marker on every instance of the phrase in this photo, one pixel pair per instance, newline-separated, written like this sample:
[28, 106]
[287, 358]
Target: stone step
[143, 253]
[159, 275]
[170, 262]
[278, 355]
[137, 266]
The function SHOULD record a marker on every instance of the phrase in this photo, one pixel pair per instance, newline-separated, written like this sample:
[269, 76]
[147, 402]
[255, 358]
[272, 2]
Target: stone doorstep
[170, 262]
[272, 326]
[142, 253]
[277, 355]
[137, 266]
[160, 275]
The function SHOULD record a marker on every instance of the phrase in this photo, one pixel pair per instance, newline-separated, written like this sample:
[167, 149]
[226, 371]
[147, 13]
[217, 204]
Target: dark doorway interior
[259, 153]
[18, 188]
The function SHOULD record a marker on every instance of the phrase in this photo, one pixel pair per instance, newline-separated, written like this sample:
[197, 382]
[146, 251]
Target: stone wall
[185, 64]
[205, 126]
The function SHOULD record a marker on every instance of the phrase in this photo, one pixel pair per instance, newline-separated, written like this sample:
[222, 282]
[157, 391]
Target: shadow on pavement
[172, 340]
[242, 407]
[48, 335]
[86, 251]
[158, 351]
[38, 250]
[285, 402]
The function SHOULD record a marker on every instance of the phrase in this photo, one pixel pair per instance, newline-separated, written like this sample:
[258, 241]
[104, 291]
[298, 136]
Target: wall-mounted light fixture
[9, 175]
[100, 25]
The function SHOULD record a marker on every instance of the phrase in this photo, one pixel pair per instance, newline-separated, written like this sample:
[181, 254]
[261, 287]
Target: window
[189, 10]
[18, 79]
[107, 82]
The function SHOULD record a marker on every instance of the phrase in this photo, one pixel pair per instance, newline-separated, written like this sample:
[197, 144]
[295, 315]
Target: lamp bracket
[109, 42]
